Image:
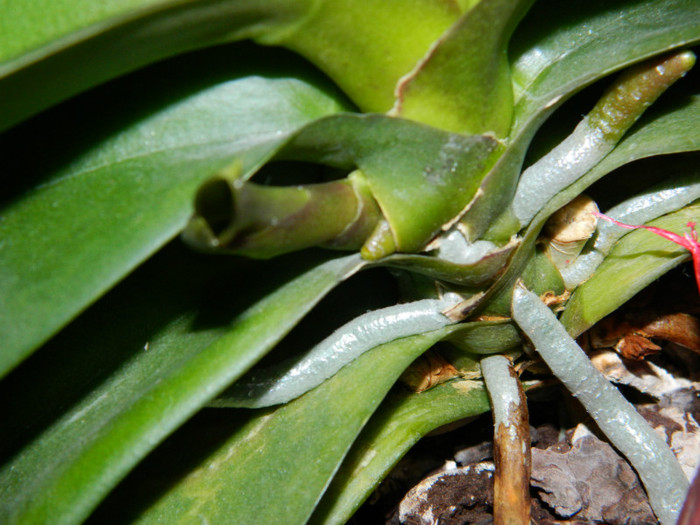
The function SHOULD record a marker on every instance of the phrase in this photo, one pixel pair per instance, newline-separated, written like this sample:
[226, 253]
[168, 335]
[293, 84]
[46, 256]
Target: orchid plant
[231, 227]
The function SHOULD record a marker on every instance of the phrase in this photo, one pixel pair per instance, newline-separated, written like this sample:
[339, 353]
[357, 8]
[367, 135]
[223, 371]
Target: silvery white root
[598, 133]
[647, 452]
[292, 378]
[637, 210]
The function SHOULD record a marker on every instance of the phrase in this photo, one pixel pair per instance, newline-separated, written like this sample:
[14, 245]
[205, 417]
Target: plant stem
[264, 221]
[648, 453]
[511, 443]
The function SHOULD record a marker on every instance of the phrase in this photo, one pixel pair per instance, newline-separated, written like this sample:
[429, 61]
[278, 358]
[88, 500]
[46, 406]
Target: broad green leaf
[466, 5]
[365, 47]
[29, 25]
[637, 259]
[398, 424]
[136, 366]
[110, 197]
[560, 48]
[463, 84]
[118, 36]
[290, 454]
[437, 170]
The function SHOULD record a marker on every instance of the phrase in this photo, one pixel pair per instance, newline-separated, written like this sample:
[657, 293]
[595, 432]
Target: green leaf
[398, 424]
[437, 169]
[136, 366]
[365, 48]
[289, 454]
[559, 49]
[26, 26]
[107, 201]
[477, 273]
[637, 259]
[463, 84]
[120, 37]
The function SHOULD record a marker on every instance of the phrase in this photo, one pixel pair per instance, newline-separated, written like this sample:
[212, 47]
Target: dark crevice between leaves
[639, 176]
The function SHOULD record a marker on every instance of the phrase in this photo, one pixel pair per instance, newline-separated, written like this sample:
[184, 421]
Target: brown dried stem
[511, 444]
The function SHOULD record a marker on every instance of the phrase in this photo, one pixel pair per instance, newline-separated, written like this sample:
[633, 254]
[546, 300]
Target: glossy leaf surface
[138, 373]
[303, 441]
[121, 44]
[365, 48]
[398, 424]
[464, 84]
[560, 48]
[477, 273]
[104, 203]
[28, 26]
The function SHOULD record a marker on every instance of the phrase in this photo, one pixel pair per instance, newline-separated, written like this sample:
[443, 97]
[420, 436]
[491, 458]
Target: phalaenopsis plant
[230, 229]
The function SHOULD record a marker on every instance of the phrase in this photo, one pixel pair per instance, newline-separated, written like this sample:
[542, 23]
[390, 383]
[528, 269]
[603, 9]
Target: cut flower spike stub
[689, 241]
